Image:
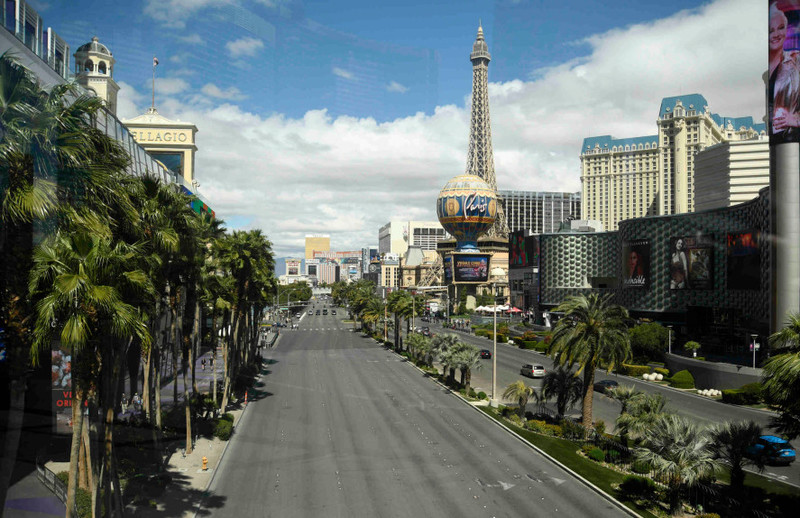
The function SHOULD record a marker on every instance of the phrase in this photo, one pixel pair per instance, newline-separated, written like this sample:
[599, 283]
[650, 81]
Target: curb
[544, 454]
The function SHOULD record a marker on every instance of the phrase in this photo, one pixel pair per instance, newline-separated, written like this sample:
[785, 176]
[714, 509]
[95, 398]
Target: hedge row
[536, 346]
[682, 379]
[750, 394]
[634, 370]
[663, 372]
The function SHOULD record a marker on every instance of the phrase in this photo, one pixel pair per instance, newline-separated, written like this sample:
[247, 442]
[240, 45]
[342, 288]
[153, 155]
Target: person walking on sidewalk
[203, 364]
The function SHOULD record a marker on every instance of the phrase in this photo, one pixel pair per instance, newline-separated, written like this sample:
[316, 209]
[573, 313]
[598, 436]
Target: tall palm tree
[398, 304]
[729, 441]
[77, 281]
[592, 332]
[563, 385]
[468, 359]
[626, 395]
[644, 412]
[440, 345]
[521, 393]
[781, 378]
[416, 344]
[677, 451]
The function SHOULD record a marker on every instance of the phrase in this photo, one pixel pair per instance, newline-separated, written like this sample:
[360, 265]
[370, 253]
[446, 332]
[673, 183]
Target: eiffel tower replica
[480, 158]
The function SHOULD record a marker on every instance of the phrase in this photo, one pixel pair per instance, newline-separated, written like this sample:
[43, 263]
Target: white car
[534, 371]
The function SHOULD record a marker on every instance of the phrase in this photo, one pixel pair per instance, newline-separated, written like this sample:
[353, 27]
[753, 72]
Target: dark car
[486, 353]
[603, 385]
[317, 312]
[333, 312]
[280, 324]
[324, 311]
[772, 450]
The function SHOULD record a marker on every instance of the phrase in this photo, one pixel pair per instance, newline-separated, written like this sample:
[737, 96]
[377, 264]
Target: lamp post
[497, 273]
[754, 347]
[669, 339]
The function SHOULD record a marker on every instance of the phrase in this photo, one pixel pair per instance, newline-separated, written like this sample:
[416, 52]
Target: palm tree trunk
[195, 341]
[147, 376]
[16, 414]
[214, 340]
[588, 396]
[467, 380]
[74, 451]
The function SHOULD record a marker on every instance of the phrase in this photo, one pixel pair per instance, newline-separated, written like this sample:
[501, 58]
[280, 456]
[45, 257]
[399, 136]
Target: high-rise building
[396, 236]
[317, 243]
[730, 172]
[40, 49]
[539, 212]
[480, 157]
[328, 272]
[655, 174]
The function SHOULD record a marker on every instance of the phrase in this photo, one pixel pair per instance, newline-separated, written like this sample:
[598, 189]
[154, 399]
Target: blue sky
[338, 116]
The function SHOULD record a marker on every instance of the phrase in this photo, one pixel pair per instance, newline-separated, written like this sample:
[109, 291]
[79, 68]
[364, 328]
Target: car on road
[534, 371]
[771, 450]
[280, 324]
[317, 312]
[603, 385]
[310, 311]
[486, 353]
[333, 312]
[324, 311]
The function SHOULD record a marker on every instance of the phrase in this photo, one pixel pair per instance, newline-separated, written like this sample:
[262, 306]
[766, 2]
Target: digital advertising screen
[691, 263]
[744, 261]
[783, 90]
[636, 264]
[471, 267]
[448, 269]
[523, 251]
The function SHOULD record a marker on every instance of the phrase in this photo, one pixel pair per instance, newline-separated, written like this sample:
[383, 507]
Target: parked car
[534, 371]
[486, 353]
[324, 311]
[772, 450]
[333, 312]
[603, 385]
[310, 311]
[317, 312]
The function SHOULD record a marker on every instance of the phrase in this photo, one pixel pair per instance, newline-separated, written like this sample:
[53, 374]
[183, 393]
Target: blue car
[772, 450]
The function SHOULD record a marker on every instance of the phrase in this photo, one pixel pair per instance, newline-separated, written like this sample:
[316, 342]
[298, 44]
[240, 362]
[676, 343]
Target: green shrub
[635, 370]
[600, 427]
[613, 456]
[482, 332]
[227, 417]
[472, 393]
[733, 397]
[754, 392]
[223, 429]
[528, 344]
[552, 430]
[637, 487]
[597, 454]
[663, 372]
[587, 447]
[682, 379]
[642, 468]
[501, 338]
[388, 343]
[515, 419]
[707, 515]
[481, 395]
[572, 430]
[536, 426]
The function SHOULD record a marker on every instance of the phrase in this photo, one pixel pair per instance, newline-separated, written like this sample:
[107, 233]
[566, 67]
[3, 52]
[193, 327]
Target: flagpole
[154, 83]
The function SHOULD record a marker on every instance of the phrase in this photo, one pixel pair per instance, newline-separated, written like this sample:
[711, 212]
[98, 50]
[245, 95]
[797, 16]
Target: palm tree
[781, 378]
[467, 358]
[626, 395]
[440, 345]
[677, 451]
[417, 343]
[521, 393]
[644, 412]
[373, 311]
[398, 301]
[592, 332]
[565, 386]
[729, 441]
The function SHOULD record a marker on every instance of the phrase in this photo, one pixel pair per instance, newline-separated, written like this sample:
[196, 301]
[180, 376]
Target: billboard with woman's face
[744, 261]
[636, 264]
[783, 93]
[691, 263]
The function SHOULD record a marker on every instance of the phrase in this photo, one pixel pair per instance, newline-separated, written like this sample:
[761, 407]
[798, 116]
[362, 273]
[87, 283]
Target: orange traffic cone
[245, 397]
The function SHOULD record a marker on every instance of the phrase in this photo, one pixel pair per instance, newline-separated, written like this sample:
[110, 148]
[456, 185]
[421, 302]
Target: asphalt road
[344, 428]
[510, 359]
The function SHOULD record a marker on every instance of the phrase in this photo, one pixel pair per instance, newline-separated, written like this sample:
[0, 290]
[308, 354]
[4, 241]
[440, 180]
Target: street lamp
[754, 346]
[497, 274]
[669, 339]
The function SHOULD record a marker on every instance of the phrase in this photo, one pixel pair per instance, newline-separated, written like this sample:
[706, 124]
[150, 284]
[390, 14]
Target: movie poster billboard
[471, 268]
[691, 263]
[523, 251]
[61, 385]
[448, 269]
[744, 261]
[636, 264]
[783, 96]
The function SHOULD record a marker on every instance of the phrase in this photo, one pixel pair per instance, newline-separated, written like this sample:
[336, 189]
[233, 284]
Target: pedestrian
[203, 364]
[124, 403]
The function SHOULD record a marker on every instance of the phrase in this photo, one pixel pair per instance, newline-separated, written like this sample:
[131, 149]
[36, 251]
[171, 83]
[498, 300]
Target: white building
[731, 172]
[396, 236]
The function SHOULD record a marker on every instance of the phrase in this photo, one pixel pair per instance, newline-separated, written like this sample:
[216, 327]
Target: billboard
[636, 264]
[523, 251]
[691, 263]
[471, 268]
[783, 90]
[744, 261]
[293, 270]
[448, 269]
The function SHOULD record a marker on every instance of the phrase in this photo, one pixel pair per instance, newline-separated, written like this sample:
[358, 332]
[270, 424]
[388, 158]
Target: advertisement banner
[744, 261]
[636, 264]
[471, 268]
[293, 270]
[61, 385]
[783, 90]
[448, 269]
[691, 263]
[523, 251]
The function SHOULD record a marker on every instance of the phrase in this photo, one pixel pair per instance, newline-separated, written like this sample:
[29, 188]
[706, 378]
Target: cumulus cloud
[348, 176]
[231, 93]
[246, 46]
[174, 13]
[193, 39]
[394, 86]
[345, 74]
[170, 85]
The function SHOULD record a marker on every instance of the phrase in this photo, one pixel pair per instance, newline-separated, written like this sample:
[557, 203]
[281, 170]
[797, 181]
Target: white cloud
[246, 46]
[170, 85]
[394, 86]
[192, 39]
[231, 93]
[348, 176]
[342, 73]
[173, 13]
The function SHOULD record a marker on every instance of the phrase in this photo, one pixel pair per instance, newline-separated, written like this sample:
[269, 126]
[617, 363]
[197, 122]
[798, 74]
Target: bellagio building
[654, 174]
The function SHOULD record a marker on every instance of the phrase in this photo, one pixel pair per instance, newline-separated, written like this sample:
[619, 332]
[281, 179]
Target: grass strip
[565, 451]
